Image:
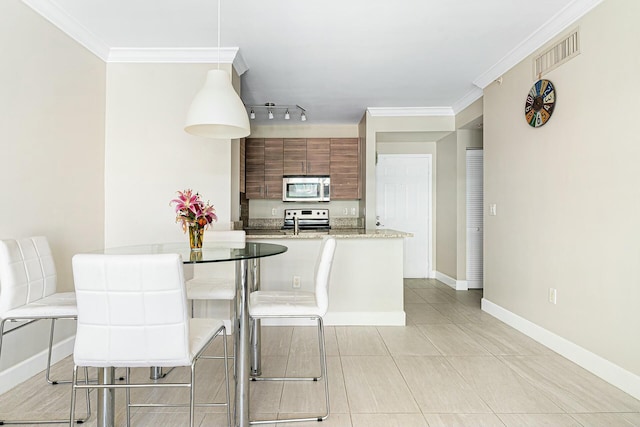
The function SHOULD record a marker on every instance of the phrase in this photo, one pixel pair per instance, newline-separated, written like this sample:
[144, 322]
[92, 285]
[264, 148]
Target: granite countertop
[342, 233]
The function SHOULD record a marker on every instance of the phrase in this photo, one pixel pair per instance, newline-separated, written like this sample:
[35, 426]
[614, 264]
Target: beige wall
[304, 131]
[393, 129]
[451, 190]
[446, 207]
[568, 194]
[149, 156]
[52, 101]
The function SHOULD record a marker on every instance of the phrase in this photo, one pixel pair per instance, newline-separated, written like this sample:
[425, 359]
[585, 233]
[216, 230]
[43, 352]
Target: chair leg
[226, 374]
[127, 393]
[323, 374]
[65, 421]
[323, 364]
[48, 371]
[73, 395]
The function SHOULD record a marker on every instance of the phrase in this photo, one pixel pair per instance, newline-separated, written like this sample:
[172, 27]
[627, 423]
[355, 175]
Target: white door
[475, 220]
[403, 202]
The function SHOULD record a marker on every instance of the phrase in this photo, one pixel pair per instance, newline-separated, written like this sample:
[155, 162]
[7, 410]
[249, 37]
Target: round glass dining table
[246, 255]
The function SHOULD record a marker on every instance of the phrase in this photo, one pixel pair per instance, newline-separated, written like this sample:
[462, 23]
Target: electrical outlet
[345, 211]
[296, 282]
[493, 210]
[353, 211]
[552, 295]
[274, 211]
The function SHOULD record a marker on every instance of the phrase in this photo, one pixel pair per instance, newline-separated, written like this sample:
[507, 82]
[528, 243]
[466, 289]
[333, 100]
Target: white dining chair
[28, 293]
[300, 304]
[133, 312]
[219, 284]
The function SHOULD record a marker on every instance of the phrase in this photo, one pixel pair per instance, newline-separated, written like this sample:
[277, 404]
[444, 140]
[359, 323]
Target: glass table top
[210, 252]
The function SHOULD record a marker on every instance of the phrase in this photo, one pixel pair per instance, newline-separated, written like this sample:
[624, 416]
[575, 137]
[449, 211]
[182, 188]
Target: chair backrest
[132, 311]
[323, 271]
[27, 272]
[237, 236]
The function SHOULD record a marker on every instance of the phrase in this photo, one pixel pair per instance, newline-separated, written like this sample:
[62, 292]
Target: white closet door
[475, 221]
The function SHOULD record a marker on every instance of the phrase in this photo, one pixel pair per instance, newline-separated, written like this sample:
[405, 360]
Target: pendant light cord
[218, 34]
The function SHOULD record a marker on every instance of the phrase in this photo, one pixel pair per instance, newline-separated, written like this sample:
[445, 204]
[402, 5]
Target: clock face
[538, 107]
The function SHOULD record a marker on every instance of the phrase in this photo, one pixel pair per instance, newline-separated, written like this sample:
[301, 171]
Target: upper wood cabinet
[264, 168]
[307, 156]
[254, 168]
[243, 155]
[267, 160]
[318, 156]
[295, 156]
[273, 168]
[345, 169]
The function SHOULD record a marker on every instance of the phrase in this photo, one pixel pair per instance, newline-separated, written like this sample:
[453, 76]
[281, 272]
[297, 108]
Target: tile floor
[452, 365]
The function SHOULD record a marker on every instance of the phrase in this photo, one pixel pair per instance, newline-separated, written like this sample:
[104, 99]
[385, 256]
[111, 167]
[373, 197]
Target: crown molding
[567, 16]
[228, 55]
[49, 10]
[469, 98]
[410, 111]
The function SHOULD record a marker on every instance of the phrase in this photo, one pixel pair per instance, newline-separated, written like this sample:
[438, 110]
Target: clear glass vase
[196, 234]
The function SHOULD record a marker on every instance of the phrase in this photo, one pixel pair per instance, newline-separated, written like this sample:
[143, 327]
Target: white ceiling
[336, 58]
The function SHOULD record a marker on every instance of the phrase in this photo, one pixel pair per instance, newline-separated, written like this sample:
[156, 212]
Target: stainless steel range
[308, 219]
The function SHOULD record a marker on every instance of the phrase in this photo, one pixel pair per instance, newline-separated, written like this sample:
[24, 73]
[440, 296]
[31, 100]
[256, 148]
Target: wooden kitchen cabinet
[318, 156]
[307, 156]
[273, 168]
[345, 169]
[243, 156]
[264, 167]
[295, 156]
[267, 160]
[254, 168]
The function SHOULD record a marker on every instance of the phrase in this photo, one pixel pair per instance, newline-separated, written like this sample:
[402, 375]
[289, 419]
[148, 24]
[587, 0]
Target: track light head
[272, 111]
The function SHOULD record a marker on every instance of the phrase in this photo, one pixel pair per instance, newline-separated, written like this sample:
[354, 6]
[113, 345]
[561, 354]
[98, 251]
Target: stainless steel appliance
[306, 219]
[306, 189]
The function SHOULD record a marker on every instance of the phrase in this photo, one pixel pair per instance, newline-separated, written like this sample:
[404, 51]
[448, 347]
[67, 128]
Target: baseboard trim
[24, 370]
[390, 318]
[458, 285]
[608, 371]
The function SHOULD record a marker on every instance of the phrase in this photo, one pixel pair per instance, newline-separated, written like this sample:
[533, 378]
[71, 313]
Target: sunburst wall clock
[540, 102]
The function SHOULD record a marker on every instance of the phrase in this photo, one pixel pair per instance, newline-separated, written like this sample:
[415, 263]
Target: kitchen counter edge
[337, 233]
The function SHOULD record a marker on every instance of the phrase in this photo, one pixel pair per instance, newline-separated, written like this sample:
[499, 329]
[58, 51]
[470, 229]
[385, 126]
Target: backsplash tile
[277, 223]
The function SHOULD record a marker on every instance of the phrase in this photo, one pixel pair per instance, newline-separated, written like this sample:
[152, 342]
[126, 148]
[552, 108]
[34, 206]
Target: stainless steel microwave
[306, 189]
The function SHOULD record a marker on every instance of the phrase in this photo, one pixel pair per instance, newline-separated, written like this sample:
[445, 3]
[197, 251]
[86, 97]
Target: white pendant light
[217, 111]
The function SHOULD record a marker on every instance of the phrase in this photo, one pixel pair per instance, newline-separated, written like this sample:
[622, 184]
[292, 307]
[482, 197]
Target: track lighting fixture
[272, 111]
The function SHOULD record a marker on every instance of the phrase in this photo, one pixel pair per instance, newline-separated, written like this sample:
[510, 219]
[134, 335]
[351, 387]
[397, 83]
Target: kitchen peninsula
[367, 274]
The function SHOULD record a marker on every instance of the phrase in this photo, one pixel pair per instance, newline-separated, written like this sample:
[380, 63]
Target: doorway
[403, 202]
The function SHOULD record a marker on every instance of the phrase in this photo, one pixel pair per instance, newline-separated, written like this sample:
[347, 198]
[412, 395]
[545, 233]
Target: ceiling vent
[558, 54]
